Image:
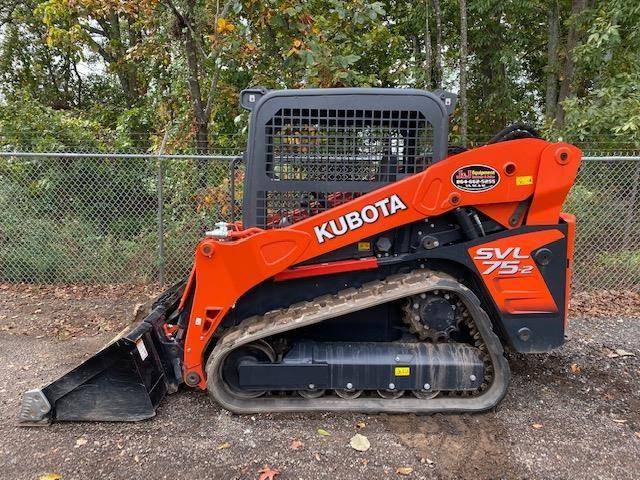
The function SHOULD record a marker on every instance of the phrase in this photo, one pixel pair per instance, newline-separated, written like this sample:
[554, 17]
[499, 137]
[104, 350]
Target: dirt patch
[64, 312]
[458, 446]
[571, 414]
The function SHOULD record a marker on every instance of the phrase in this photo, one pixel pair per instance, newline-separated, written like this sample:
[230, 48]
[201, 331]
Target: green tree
[29, 66]
[607, 64]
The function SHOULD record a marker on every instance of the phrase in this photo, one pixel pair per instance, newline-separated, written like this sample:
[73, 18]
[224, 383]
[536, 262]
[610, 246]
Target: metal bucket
[123, 382]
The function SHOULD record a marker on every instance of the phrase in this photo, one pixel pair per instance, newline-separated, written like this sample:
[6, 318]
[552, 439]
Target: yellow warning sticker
[526, 180]
[403, 371]
[364, 246]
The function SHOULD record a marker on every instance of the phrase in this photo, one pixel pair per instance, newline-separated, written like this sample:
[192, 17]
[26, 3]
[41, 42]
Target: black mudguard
[123, 382]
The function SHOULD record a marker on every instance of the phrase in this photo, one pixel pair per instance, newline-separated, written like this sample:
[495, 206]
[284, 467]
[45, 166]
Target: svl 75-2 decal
[503, 262]
[511, 275]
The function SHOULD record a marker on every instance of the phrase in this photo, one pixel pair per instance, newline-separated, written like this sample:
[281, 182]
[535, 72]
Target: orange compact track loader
[375, 270]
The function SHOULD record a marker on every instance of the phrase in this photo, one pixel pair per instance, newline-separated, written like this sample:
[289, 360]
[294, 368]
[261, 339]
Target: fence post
[160, 200]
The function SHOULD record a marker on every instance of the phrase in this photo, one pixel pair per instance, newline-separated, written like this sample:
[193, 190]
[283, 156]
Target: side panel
[570, 221]
[522, 275]
[510, 273]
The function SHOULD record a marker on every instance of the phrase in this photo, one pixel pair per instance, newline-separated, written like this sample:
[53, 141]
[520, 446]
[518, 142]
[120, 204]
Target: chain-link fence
[103, 218]
[606, 201]
[135, 218]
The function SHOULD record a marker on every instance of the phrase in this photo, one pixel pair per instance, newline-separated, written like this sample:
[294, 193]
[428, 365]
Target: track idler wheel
[426, 394]
[259, 351]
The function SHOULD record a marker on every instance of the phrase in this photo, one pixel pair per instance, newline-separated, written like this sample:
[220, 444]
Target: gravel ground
[571, 414]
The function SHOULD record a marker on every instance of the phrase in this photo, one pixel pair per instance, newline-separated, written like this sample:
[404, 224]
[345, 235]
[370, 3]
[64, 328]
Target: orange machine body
[529, 170]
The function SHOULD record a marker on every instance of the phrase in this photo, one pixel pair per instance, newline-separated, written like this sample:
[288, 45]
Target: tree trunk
[427, 47]
[417, 56]
[463, 72]
[202, 107]
[202, 137]
[115, 54]
[566, 84]
[552, 61]
[437, 73]
[125, 70]
[193, 80]
[127, 78]
[80, 84]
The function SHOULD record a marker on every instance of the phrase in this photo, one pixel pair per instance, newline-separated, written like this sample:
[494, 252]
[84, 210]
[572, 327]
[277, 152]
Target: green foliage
[28, 125]
[504, 61]
[95, 219]
[75, 220]
[28, 65]
[611, 109]
[124, 65]
[605, 200]
[608, 63]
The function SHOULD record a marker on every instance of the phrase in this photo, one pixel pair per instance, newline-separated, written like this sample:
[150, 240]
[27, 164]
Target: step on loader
[375, 269]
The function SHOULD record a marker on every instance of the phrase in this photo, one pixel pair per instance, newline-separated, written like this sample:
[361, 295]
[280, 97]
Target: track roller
[348, 394]
[390, 394]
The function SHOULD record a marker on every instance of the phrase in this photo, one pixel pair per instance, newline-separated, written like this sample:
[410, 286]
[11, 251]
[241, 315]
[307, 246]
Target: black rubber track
[329, 306]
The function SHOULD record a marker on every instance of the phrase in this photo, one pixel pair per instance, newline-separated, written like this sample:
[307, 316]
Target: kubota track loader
[373, 270]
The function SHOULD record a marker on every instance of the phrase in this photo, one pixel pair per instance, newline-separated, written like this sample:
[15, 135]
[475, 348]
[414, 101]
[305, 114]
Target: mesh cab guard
[305, 145]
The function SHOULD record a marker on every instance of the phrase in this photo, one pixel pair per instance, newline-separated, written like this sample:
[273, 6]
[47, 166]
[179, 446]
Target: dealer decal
[356, 219]
[475, 178]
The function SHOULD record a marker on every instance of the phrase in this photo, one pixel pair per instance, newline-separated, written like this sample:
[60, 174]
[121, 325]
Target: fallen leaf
[268, 473]
[323, 432]
[619, 420]
[360, 443]
[618, 353]
[624, 353]
[225, 26]
[81, 441]
[136, 459]
[637, 434]
[575, 368]
[404, 470]
[537, 426]
[360, 425]
[296, 445]
[317, 456]
[50, 476]
[224, 445]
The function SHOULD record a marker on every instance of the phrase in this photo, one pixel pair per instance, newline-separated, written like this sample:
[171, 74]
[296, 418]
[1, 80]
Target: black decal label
[475, 178]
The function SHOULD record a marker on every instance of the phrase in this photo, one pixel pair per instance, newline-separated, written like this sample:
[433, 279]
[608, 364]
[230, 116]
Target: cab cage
[310, 150]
